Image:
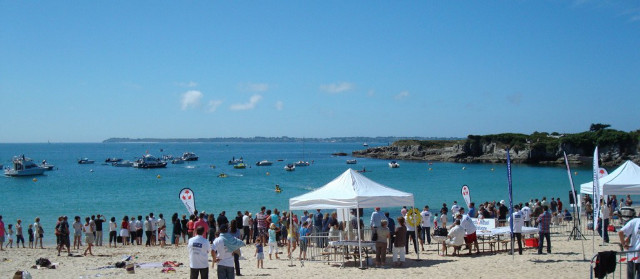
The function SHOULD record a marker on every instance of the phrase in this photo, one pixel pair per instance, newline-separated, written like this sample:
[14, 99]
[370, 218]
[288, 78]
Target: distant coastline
[363, 140]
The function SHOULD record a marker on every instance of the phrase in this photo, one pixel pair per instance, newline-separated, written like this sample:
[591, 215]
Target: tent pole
[359, 238]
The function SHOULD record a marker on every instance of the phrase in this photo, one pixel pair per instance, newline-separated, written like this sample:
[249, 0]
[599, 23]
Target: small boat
[280, 160]
[222, 175]
[149, 162]
[301, 164]
[112, 160]
[85, 161]
[339, 154]
[23, 166]
[352, 162]
[394, 164]
[189, 156]
[123, 164]
[363, 170]
[167, 158]
[264, 163]
[46, 165]
[365, 144]
[278, 189]
[177, 161]
[235, 161]
[240, 166]
[290, 167]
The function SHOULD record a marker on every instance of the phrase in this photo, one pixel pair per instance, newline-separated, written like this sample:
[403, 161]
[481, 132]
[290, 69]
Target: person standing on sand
[526, 214]
[88, 236]
[199, 250]
[98, 221]
[19, 235]
[246, 223]
[543, 221]
[148, 230]
[77, 232]
[518, 222]
[261, 220]
[64, 236]
[399, 243]
[113, 234]
[39, 232]
[425, 233]
[381, 243]
[391, 225]
[2, 232]
[470, 231]
[222, 252]
[304, 240]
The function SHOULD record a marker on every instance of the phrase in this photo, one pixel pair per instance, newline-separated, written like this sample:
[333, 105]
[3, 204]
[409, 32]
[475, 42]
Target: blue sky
[84, 71]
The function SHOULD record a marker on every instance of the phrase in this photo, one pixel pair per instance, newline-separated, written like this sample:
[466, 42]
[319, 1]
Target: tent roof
[625, 180]
[350, 190]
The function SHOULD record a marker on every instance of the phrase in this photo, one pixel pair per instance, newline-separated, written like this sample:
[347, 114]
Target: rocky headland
[615, 147]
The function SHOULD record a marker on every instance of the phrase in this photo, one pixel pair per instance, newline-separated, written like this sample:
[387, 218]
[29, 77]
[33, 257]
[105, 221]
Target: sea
[89, 189]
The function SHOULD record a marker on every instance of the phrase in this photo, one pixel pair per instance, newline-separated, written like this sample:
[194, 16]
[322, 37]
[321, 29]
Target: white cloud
[335, 88]
[213, 105]
[253, 101]
[187, 84]
[191, 99]
[402, 95]
[255, 87]
[279, 105]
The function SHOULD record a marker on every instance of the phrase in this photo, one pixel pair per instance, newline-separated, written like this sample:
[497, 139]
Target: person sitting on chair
[455, 237]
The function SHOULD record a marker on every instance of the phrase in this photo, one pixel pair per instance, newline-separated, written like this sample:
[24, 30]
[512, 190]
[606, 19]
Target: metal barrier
[318, 249]
[622, 259]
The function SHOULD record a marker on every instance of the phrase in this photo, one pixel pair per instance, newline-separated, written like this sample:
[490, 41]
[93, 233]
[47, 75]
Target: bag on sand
[22, 275]
[44, 262]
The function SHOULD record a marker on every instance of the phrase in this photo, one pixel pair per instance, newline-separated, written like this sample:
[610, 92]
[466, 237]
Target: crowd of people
[274, 230]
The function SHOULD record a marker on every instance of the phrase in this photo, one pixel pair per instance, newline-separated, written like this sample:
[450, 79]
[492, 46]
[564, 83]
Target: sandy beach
[565, 261]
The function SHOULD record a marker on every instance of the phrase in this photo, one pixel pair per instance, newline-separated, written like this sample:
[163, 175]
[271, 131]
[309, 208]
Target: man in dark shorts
[63, 235]
[261, 219]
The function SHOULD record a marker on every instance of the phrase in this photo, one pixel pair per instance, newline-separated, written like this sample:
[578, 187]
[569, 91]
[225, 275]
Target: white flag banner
[188, 199]
[596, 189]
[466, 195]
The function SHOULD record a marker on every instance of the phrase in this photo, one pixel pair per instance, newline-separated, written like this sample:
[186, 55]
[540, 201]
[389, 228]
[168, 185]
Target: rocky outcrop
[470, 152]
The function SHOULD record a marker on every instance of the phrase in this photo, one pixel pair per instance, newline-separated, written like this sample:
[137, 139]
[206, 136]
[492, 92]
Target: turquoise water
[84, 190]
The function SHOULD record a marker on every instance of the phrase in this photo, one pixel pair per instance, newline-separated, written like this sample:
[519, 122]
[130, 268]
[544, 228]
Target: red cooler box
[531, 242]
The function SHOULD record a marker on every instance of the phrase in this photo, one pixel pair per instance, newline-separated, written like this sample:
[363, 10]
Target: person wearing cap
[222, 252]
[199, 250]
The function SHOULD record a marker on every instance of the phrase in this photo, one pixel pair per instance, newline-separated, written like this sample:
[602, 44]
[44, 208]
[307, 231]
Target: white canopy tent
[351, 190]
[625, 180]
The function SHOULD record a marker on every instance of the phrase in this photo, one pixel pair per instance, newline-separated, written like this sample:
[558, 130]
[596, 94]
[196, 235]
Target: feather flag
[188, 198]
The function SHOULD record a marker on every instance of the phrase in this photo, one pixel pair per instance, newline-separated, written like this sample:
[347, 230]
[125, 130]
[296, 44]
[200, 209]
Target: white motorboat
[46, 165]
[365, 144]
[85, 161]
[394, 164]
[301, 164]
[149, 162]
[235, 161]
[290, 167]
[264, 163]
[189, 156]
[177, 161]
[352, 162]
[123, 164]
[23, 166]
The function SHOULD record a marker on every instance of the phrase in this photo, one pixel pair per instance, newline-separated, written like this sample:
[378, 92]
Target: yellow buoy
[159, 176]
[35, 180]
[430, 168]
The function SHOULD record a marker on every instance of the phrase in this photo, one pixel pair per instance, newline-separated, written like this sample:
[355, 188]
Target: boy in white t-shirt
[199, 250]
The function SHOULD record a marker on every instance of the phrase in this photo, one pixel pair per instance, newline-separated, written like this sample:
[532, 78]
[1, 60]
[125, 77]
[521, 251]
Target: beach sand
[565, 261]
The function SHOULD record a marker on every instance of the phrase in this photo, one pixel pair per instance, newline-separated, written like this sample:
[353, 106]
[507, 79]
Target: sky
[86, 71]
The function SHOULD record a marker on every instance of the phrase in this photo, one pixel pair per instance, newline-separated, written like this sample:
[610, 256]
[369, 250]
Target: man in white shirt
[526, 214]
[426, 226]
[455, 237]
[630, 239]
[455, 208]
[470, 231]
[160, 223]
[222, 255]
[604, 215]
[154, 228]
[199, 250]
[518, 222]
[246, 226]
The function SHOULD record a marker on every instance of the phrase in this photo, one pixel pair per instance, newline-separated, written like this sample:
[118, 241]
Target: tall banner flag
[510, 199]
[596, 189]
[466, 195]
[573, 189]
[188, 199]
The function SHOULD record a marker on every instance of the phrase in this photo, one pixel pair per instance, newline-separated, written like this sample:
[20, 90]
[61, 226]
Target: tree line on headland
[614, 146]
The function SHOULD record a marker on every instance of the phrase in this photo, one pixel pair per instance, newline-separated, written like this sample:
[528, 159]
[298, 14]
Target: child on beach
[303, 233]
[291, 239]
[259, 254]
[30, 232]
[77, 232]
[162, 236]
[9, 236]
[273, 242]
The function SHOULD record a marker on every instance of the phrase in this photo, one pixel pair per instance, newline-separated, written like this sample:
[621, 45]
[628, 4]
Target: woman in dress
[88, 236]
[124, 230]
